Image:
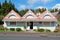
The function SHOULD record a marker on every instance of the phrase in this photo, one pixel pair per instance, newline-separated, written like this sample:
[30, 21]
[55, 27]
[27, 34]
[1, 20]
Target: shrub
[47, 30]
[6, 29]
[12, 29]
[35, 29]
[40, 30]
[18, 29]
[25, 26]
[2, 29]
[56, 30]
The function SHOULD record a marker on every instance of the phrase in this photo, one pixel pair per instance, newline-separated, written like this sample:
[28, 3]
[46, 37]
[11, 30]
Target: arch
[47, 16]
[12, 16]
[29, 16]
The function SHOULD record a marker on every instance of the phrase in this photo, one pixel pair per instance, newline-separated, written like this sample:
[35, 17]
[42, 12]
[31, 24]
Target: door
[31, 25]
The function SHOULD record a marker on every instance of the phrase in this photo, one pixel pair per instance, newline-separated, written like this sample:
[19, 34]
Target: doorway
[31, 25]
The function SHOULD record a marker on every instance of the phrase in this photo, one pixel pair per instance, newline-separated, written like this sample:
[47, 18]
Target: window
[12, 16]
[47, 16]
[46, 23]
[18, 23]
[40, 23]
[30, 16]
[13, 23]
[52, 23]
[8, 24]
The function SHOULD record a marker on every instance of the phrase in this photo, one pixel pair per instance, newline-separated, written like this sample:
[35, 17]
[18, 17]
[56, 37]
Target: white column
[42, 23]
[50, 24]
[4, 24]
[56, 23]
[25, 23]
[16, 23]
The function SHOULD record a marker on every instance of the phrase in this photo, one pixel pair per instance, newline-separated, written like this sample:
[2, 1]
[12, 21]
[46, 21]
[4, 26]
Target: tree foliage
[54, 10]
[5, 7]
[0, 5]
[40, 10]
[22, 12]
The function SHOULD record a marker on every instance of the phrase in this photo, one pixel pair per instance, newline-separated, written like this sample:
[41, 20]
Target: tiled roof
[39, 18]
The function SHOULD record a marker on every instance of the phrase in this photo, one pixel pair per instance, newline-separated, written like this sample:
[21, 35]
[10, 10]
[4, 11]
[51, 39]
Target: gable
[12, 15]
[47, 16]
[29, 14]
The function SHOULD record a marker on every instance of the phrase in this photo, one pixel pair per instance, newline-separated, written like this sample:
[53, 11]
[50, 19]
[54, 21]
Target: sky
[34, 4]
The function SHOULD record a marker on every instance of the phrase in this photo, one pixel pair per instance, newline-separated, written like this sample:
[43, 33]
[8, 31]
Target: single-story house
[44, 21]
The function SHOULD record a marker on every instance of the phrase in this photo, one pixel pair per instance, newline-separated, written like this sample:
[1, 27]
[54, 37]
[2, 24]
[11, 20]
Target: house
[45, 20]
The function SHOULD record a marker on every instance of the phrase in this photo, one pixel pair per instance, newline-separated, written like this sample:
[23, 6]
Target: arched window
[47, 16]
[12, 16]
[30, 16]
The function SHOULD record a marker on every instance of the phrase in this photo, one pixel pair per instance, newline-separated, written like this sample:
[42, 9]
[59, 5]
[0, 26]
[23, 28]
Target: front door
[31, 25]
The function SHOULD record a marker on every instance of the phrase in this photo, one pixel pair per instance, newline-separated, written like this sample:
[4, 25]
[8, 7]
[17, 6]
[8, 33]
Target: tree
[11, 6]
[0, 5]
[22, 12]
[40, 10]
[51, 11]
[6, 7]
[54, 10]
[32, 10]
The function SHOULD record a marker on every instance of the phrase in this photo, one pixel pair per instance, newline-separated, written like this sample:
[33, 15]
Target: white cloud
[40, 7]
[33, 1]
[22, 6]
[46, 1]
[56, 6]
[38, 1]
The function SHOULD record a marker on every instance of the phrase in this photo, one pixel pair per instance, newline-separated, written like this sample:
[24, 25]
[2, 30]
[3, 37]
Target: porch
[31, 24]
[42, 25]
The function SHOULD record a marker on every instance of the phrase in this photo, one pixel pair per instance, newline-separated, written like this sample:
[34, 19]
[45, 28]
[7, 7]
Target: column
[4, 24]
[50, 24]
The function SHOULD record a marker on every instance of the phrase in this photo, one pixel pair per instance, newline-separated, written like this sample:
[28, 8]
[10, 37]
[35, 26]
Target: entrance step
[29, 31]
